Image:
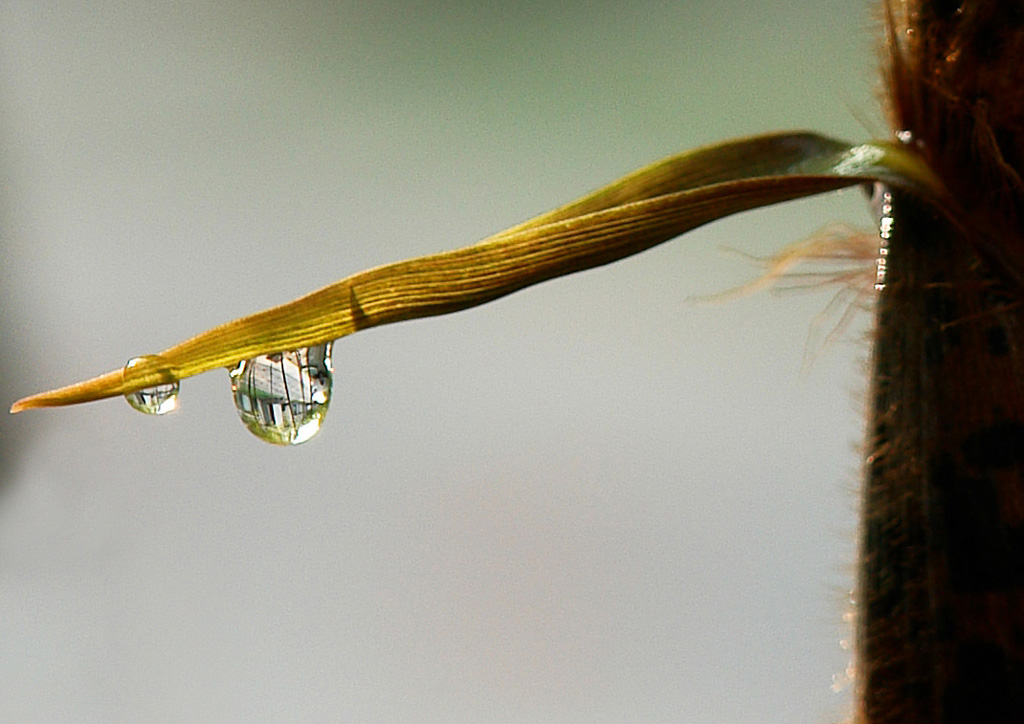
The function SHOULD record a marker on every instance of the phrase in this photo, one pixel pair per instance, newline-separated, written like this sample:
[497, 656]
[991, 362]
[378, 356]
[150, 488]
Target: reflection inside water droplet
[157, 400]
[282, 398]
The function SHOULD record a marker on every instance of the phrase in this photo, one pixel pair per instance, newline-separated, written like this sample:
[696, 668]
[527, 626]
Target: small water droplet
[282, 398]
[157, 400]
[882, 202]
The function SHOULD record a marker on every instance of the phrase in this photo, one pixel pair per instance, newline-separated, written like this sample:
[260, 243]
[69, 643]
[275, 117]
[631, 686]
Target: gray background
[591, 501]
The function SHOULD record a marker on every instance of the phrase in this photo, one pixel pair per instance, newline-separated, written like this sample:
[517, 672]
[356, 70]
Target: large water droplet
[282, 398]
[157, 400]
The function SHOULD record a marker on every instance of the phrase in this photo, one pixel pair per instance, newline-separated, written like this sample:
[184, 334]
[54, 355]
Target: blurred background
[591, 501]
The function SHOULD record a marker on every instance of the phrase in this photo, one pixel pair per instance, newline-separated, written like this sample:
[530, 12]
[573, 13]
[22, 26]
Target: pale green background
[592, 501]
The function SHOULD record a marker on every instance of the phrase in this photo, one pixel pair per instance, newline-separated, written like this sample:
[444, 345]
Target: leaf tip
[25, 403]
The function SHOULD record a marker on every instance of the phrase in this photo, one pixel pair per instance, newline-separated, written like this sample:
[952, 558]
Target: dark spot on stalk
[998, 341]
[997, 295]
[953, 337]
[884, 318]
[998, 446]
[944, 10]
[884, 594]
[983, 554]
[987, 40]
[986, 686]
[1013, 16]
[919, 691]
[934, 350]
[945, 623]
[941, 307]
[884, 606]
[878, 466]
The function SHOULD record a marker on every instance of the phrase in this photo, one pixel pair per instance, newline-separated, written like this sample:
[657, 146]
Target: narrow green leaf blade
[635, 213]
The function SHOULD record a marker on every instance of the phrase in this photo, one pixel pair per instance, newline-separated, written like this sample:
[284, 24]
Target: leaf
[635, 213]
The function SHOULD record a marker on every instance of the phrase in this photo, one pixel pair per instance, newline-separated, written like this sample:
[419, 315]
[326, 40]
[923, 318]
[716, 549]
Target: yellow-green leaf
[641, 210]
